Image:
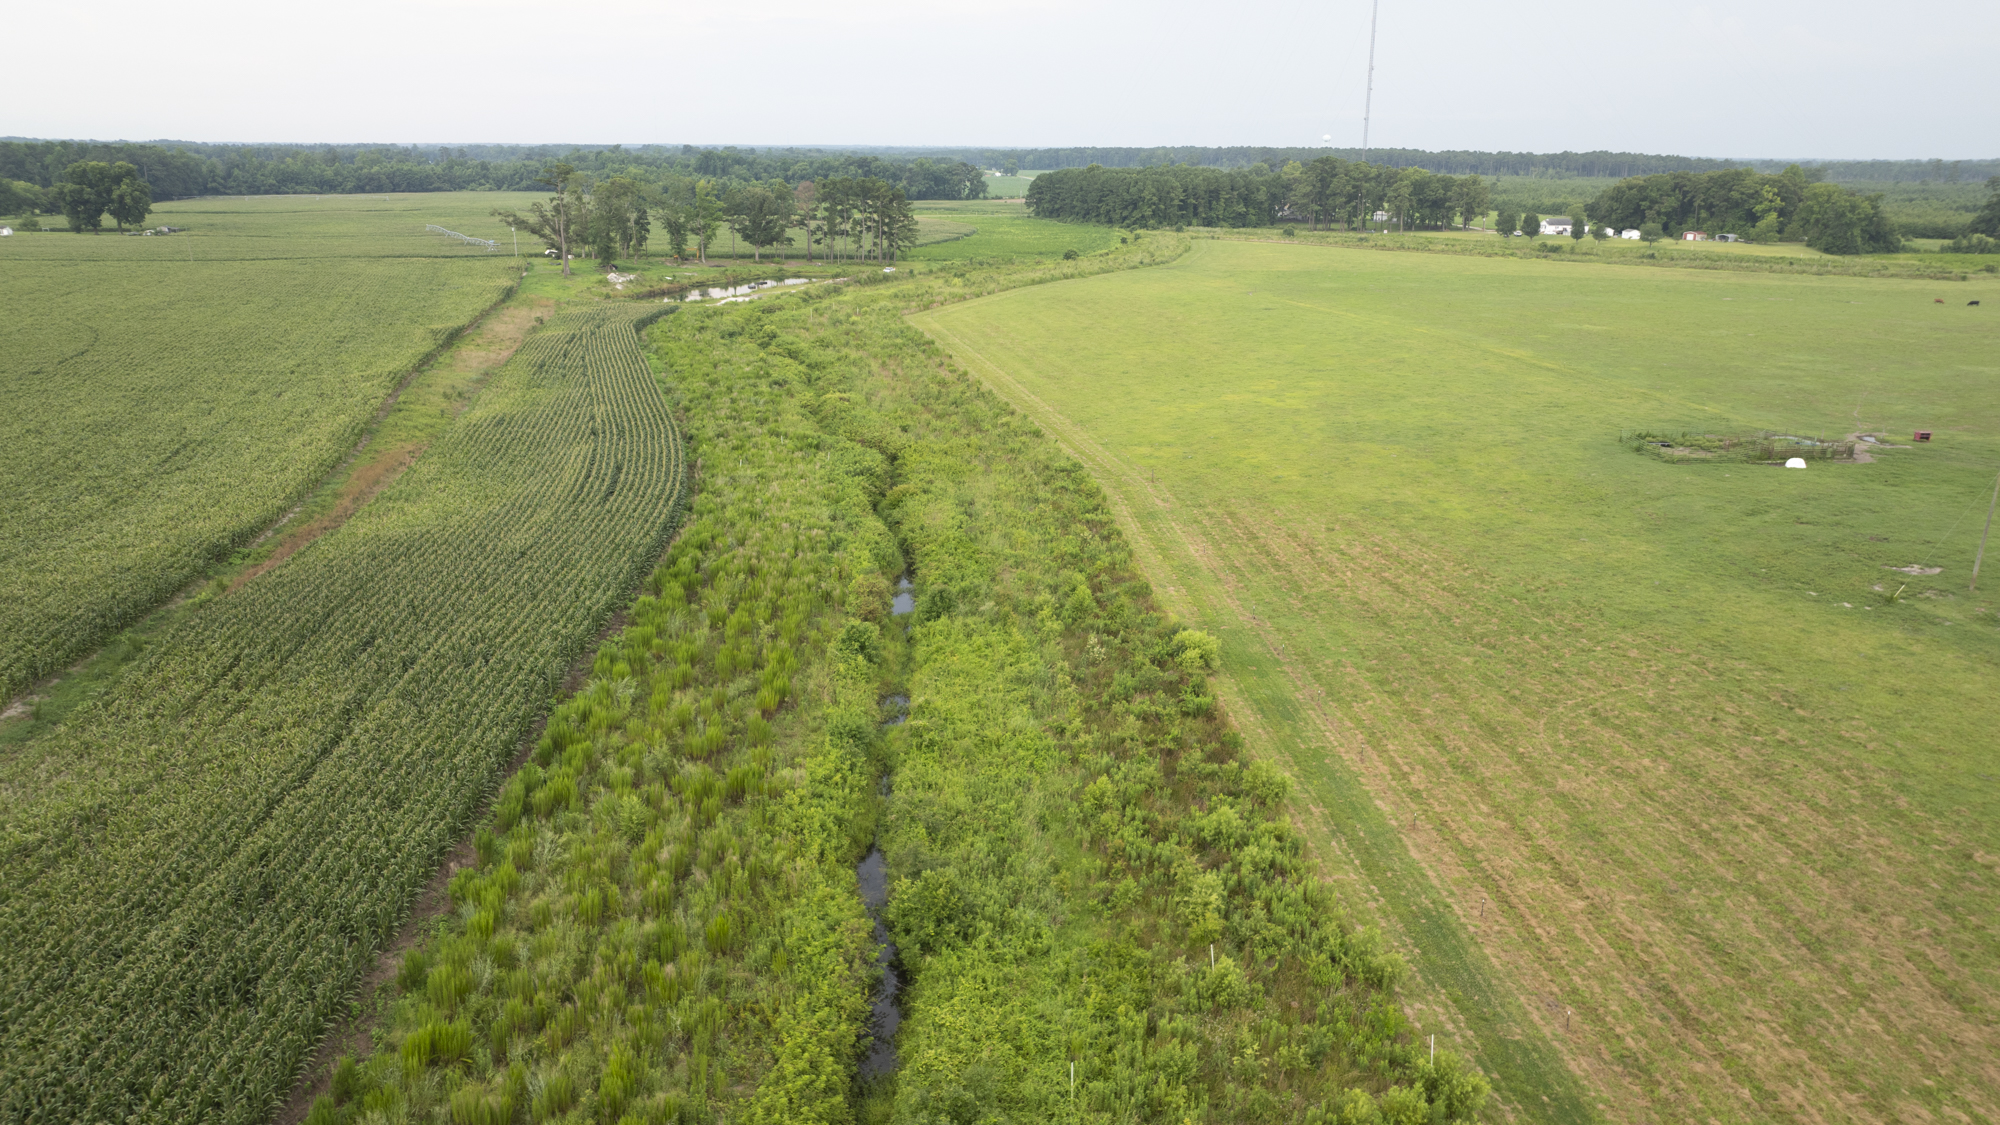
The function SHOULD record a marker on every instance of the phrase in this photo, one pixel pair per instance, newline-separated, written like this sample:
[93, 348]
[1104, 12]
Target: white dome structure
[1796, 463]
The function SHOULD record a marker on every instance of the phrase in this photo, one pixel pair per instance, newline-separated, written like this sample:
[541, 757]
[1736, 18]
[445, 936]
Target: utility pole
[1368, 104]
[1981, 556]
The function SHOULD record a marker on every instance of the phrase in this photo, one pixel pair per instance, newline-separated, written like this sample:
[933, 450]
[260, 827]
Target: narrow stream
[881, 1056]
[873, 873]
[736, 292]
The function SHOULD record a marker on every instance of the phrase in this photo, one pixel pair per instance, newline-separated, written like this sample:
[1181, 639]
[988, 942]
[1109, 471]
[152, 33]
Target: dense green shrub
[1088, 876]
[1072, 826]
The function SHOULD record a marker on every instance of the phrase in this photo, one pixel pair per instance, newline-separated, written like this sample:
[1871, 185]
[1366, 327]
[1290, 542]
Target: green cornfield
[204, 862]
[164, 411]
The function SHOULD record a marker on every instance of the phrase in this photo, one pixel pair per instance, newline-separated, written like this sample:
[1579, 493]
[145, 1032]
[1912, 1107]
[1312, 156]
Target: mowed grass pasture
[1658, 773]
[1009, 187]
[1003, 229]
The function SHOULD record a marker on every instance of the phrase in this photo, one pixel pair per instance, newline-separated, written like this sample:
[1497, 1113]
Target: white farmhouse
[1556, 226]
[1631, 234]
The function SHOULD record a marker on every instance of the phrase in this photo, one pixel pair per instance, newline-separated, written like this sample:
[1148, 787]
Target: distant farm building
[1632, 234]
[1727, 238]
[1556, 226]
[1693, 236]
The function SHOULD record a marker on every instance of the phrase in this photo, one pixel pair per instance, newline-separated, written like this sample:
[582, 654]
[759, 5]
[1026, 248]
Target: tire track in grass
[1662, 971]
[1362, 821]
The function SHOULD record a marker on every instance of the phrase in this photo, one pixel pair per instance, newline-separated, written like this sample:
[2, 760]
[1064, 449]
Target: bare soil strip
[479, 348]
[484, 346]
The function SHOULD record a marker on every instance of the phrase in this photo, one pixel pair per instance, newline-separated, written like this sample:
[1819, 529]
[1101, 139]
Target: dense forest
[1787, 207]
[1327, 191]
[1458, 162]
[181, 170]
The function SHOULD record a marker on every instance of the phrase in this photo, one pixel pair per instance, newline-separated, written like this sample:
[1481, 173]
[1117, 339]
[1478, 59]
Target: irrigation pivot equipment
[488, 243]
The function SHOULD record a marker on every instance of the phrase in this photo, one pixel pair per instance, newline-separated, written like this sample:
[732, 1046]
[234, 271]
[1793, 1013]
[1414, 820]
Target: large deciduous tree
[560, 221]
[805, 202]
[1401, 194]
[18, 197]
[92, 188]
[1836, 221]
[620, 222]
[131, 199]
[1472, 198]
[762, 218]
[704, 216]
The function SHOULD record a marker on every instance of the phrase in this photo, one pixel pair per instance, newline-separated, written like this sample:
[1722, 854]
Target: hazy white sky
[1824, 78]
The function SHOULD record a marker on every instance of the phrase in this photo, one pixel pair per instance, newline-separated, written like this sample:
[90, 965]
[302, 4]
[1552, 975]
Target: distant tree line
[182, 170]
[1788, 206]
[1889, 171]
[1982, 234]
[1451, 162]
[1757, 206]
[1458, 162]
[1987, 222]
[1325, 192]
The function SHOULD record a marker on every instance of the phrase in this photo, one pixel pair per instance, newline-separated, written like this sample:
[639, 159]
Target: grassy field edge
[1510, 1049]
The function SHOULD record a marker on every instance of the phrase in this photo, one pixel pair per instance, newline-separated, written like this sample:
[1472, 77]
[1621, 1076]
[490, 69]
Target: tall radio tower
[1368, 105]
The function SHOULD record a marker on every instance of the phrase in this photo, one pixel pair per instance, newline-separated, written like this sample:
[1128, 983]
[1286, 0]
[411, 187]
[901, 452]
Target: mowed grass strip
[1717, 809]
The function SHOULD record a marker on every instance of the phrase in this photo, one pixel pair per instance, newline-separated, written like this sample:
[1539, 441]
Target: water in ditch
[724, 296]
[872, 872]
[885, 1017]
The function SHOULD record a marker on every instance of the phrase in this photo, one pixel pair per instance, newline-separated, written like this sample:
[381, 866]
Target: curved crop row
[662, 925]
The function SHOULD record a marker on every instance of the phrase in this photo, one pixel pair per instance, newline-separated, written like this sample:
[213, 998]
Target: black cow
[1969, 304]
